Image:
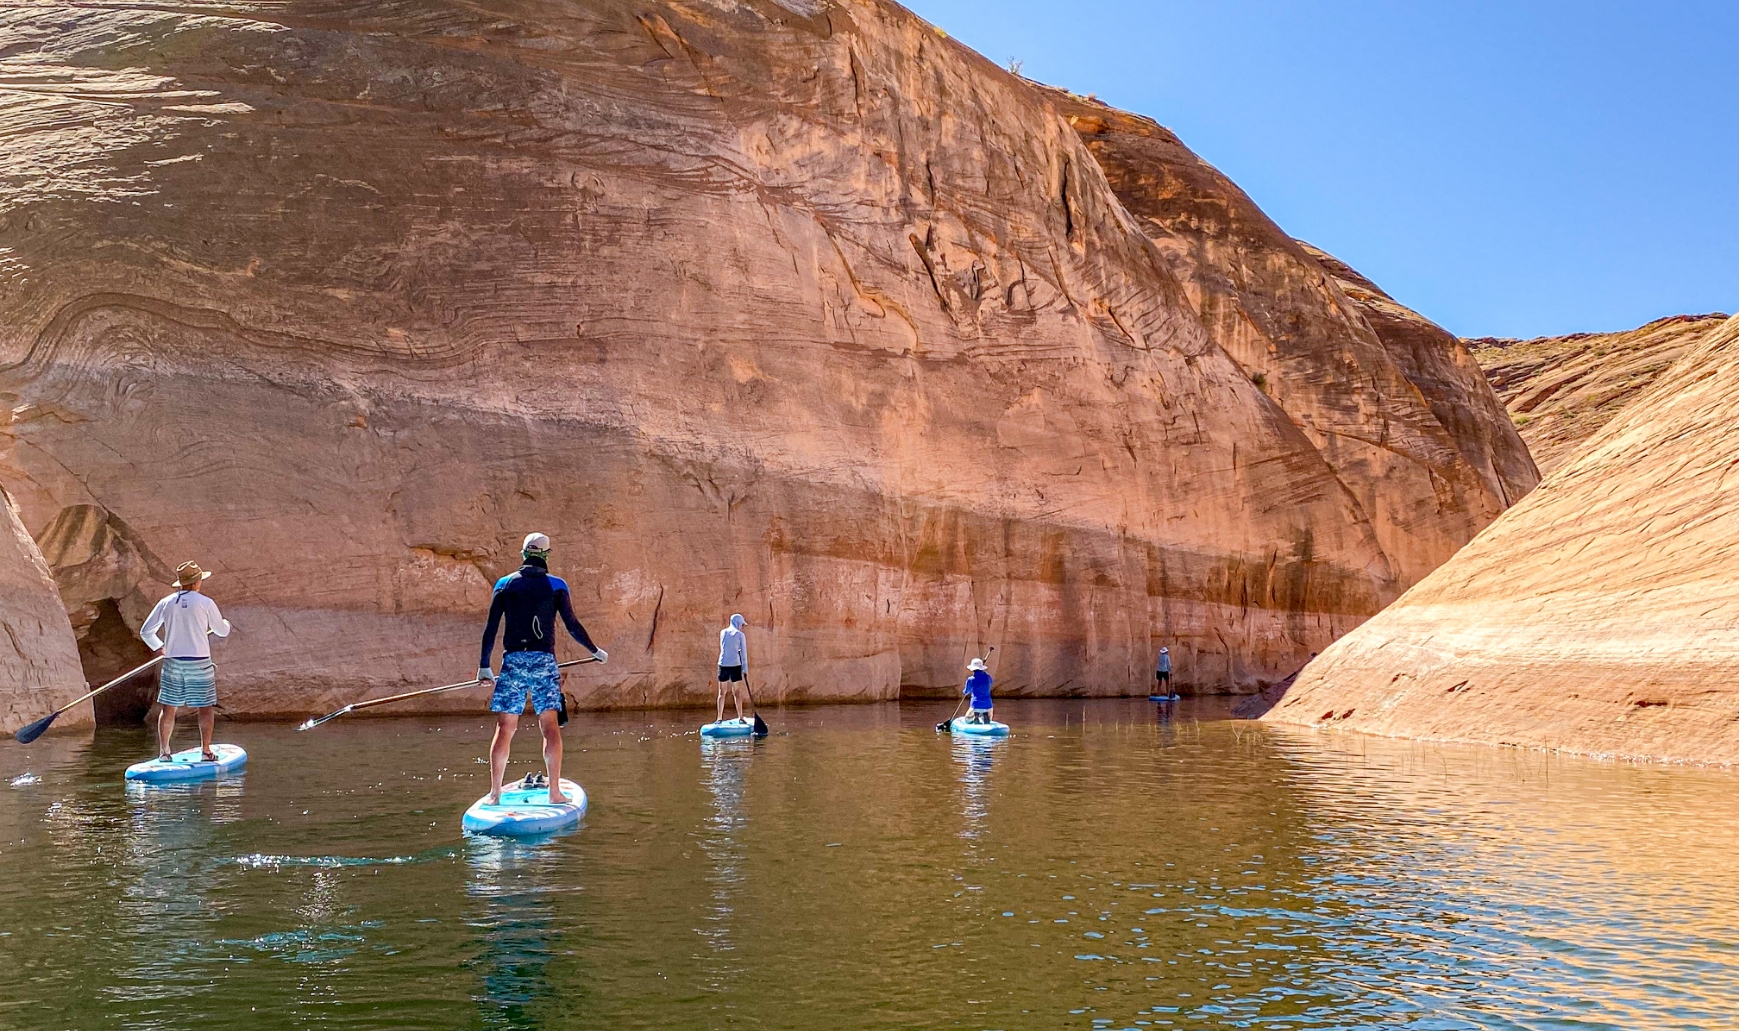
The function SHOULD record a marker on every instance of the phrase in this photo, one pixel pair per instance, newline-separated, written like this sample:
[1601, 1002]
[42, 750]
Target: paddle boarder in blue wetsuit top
[978, 686]
[529, 601]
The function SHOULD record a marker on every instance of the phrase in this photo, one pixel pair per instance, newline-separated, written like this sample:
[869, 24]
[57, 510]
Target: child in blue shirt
[978, 686]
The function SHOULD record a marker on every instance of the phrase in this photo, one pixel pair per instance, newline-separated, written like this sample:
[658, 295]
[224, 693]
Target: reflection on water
[976, 756]
[1112, 865]
[724, 764]
[514, 920]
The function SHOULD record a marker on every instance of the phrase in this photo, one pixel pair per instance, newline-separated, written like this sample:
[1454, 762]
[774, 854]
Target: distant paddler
[978, 690]
[529, 601]
[178, 627]
[734, 667]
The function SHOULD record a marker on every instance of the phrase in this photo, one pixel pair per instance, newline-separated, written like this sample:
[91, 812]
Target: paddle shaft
[437, 690]
[142, 667]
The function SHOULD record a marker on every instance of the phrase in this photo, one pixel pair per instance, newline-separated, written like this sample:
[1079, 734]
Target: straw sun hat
[188, 573]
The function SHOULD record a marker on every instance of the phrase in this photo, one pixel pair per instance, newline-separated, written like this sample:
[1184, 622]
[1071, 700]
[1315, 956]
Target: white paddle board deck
[523, 811]
[992, 729]
[187, 765]
[728, 728]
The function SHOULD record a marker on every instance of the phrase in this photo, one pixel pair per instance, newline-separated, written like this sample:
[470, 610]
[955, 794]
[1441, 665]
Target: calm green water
[1101, 869]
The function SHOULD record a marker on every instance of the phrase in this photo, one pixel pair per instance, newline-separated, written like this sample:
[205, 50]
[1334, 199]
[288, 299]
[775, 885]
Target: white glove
[601, 655]
[484, 674]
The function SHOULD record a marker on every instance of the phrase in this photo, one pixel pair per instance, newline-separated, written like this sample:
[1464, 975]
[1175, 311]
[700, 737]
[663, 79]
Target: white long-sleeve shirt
[189, 616]
[733, 648]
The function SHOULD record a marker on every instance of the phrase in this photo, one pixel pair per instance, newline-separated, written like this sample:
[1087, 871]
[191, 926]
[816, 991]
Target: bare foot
[557, 798]
[494, 798]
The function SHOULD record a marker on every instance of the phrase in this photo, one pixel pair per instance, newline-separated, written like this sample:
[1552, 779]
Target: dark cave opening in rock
[108, 648]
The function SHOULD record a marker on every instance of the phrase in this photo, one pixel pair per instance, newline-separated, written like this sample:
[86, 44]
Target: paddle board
[728, 728]
[1163, 697]
[991, 729]
[524, 811]
[187, 765]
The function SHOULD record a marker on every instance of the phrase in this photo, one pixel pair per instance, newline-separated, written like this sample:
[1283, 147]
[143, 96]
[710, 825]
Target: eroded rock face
[39, 660]
[1561, 390]
[1392, 401]
[794, 309]
[1595, 616]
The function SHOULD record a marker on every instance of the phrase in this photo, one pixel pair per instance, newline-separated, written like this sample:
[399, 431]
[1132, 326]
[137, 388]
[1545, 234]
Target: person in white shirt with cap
[733, 666]
[179, 627]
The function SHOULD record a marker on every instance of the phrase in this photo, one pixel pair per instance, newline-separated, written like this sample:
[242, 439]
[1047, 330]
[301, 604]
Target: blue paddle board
[728, 728]
[992, 729]
[1162, 697]
[187, 765]
[524, 812]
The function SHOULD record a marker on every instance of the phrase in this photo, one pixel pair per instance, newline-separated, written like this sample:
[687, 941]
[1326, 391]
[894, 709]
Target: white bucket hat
[975, 664]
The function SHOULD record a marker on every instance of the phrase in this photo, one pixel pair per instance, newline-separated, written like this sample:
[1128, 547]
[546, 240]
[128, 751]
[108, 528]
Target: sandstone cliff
[795, 308]
[1393, 401]
[1598, 615]
[39, 659]
[1561, 390]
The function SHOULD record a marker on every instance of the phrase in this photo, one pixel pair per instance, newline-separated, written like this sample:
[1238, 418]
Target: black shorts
[1162, 676]
[730, 674]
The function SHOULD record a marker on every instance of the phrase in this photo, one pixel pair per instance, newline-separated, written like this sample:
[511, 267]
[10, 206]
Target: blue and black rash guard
[530, 600]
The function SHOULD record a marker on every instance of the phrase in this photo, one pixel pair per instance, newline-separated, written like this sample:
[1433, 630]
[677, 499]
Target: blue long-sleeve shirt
[978, 686]
[529, 601]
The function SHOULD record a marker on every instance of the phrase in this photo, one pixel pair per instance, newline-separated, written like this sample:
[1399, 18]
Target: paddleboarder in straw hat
[178, 627]
[529, 602]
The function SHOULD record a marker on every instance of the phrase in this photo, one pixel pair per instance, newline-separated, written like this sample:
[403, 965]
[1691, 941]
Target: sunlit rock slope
[39, 659]
[794, 308]
[1561, 390]
[1595, 616]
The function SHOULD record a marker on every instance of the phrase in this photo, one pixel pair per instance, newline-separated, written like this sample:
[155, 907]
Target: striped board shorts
[188, 682]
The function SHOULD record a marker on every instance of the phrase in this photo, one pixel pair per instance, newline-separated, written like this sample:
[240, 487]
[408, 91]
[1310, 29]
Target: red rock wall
[39, 661]
[799, 310]
[1596, 616]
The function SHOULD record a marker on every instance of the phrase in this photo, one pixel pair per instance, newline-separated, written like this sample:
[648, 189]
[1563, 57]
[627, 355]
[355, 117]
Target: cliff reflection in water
[1110, 864]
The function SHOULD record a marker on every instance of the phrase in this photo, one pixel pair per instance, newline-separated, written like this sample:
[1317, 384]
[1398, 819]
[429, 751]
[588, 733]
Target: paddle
[371, 703]
[760, 724]
[947, 725]
[34, 730]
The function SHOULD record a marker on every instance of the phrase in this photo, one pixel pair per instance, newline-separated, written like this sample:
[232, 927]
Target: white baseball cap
[535, 542]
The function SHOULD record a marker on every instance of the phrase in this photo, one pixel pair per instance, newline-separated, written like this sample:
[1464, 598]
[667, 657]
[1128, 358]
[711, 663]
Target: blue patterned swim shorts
[188, 683]
[527, 673]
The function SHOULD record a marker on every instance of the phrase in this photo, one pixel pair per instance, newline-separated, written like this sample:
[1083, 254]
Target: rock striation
[789, 307]
[1598, 615]
[1392, 401]
[39, 659]
[1560, 390]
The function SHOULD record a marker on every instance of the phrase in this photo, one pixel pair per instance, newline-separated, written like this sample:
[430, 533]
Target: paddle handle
[473, 682]
[142, 667]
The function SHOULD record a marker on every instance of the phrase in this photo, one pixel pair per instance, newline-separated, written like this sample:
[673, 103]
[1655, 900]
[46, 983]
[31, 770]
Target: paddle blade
[760, 726]
[315, 722]
[944, 727]
[34, 730]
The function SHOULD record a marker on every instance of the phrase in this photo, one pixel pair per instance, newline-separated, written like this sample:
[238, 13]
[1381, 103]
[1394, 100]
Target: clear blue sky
[1506, 168]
